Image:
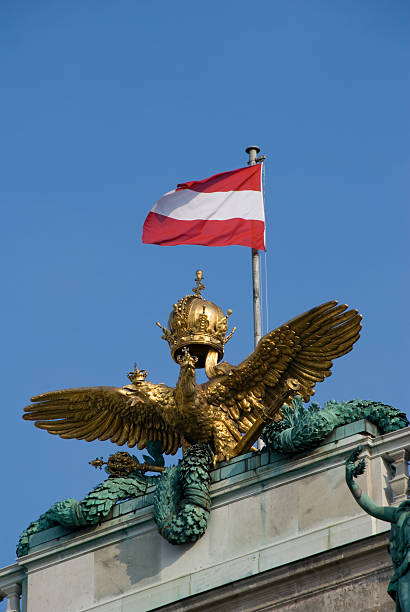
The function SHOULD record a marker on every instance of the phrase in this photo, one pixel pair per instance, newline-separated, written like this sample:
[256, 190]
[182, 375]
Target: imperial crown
[197, 324]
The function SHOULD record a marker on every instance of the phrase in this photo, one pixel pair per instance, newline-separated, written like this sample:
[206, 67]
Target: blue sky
[106, 106]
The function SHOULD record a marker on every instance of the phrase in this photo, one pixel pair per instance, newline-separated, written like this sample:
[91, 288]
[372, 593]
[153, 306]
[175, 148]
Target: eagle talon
[225, 455]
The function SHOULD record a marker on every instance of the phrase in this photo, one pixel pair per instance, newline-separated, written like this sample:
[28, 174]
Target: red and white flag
[224, 209]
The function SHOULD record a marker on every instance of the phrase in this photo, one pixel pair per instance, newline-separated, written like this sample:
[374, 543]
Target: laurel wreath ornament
[303, 428]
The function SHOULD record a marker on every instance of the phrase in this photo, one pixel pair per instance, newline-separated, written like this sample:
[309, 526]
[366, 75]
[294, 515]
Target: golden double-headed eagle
[230, 410]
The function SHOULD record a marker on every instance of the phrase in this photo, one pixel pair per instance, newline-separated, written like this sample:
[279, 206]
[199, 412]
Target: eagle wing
[122, 415]
[302, 348]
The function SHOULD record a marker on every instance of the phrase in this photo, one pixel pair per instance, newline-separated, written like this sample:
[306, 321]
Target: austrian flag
[224, 209]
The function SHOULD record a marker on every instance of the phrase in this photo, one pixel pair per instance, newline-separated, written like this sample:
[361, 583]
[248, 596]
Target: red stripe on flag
[243, 179]
[162, 230]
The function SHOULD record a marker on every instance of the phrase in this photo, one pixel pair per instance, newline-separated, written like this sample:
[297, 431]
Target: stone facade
[284, 534]
[353, 577]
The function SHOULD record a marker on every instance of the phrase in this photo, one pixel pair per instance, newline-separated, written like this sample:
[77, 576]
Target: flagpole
[256, 274]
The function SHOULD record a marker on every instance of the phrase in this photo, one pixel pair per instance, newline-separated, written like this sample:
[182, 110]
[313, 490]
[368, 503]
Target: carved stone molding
[12, 591]
[399, 484]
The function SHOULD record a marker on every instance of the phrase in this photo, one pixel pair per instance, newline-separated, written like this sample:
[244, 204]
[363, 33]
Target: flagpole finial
[253, 151]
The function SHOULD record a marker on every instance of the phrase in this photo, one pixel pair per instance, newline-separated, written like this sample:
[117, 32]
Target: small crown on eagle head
[198, 325]
[137, 376]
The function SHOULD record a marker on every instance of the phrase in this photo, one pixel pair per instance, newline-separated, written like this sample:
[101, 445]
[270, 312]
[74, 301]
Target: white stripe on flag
[188, 205]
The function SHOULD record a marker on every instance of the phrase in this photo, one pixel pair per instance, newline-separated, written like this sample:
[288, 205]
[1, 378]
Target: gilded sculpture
[213, 421]
[230, 410]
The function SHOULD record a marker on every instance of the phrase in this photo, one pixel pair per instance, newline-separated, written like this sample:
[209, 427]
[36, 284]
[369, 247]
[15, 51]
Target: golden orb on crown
[198, 325]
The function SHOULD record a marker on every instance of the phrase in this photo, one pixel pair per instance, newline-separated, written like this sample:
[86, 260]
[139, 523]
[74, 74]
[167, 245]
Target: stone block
[218, 575]
[216, 475]
[324, 499]
[361, 426]
[352, 530]
[235, 459]
[156, 597]
[253, 462]
[121, 566]
[131, 505]
[233, 469]
[111, 606]
[66, 586]
[54, 533]
[292, 550]
[249, 523]
[265, 457]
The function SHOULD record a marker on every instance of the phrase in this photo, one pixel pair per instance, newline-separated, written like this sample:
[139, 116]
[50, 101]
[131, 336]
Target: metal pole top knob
[252, 148]
[253, 155]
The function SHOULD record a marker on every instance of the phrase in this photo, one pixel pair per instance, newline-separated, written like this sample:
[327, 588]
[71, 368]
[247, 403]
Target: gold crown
[137, 376]
[198, 325]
